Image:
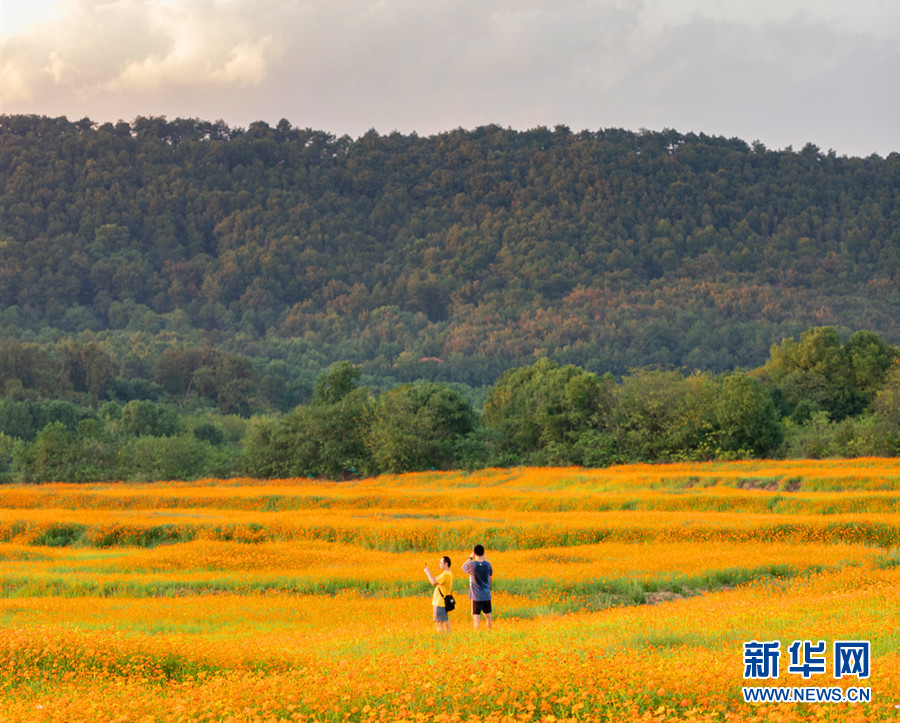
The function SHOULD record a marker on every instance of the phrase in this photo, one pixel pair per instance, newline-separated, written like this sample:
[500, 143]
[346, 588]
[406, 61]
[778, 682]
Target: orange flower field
[619, 594]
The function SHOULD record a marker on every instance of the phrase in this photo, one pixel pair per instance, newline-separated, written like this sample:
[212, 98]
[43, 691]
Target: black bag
[449, 602]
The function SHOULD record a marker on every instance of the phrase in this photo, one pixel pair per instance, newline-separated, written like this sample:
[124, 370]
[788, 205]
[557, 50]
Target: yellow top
[444, 587]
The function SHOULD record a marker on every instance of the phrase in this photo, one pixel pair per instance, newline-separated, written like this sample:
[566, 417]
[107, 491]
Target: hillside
[481, 249]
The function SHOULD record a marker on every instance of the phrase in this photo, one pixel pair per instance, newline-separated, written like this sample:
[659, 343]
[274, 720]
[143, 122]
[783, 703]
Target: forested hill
[483, 248]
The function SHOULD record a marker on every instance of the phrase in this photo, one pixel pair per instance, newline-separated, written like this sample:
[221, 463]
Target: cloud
[792, 82]
[14, 83]
[100, 47]
[879, 19]
[188, 62]
[781, 71]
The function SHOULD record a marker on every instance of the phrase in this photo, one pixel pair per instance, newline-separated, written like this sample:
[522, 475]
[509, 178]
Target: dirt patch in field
[655, 598]
[758, 483]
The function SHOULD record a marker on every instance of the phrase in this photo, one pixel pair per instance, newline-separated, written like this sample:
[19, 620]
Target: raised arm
[431, 577]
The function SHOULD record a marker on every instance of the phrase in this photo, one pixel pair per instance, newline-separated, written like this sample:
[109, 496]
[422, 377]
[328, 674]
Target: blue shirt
[480, 572]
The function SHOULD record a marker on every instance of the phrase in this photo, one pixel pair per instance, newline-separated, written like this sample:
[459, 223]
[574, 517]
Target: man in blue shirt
[480, 573]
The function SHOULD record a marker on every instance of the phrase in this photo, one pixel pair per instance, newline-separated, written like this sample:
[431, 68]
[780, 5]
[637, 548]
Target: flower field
[619, 594]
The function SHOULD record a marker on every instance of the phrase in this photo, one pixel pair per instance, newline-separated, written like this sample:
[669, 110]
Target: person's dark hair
[446, 559]
[479, 550]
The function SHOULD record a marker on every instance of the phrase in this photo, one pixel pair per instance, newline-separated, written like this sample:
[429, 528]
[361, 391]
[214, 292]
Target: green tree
[265, 452]
[147, 459]
[88, 367]
[541, 410]
[870, 358]
[209, 432]
[7, 455]
[664, 415]
[22, 419]
[174, 368]
[746, 420]
[229, 381]
[58, 454]
[815, 374]
[331, 388]
[142, 418]
[327, 438]
[419, 426]
[887, 405]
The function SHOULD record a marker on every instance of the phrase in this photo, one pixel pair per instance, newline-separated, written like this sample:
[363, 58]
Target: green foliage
[419, 426]
[87, 367]
[58, 454]
[191, 269]
[325, 439]
[150, 458]
[666, 416]
[22, 419]
[148, 418]
[208, 432]
[817, 373]
[7, 453]
[819, 437]
[542, 413]
[870, 358]
[334, 386]
[263, 454]
[329, 440]
[482, 249]
[745, 418]
[542, 409]
[346, 432]
[887, 400]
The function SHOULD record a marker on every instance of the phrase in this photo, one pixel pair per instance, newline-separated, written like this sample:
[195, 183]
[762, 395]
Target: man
[443, 586]
[480, 573]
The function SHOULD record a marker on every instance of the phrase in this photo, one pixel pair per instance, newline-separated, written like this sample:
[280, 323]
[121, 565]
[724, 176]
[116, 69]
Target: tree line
[484, 248]
[814, 397]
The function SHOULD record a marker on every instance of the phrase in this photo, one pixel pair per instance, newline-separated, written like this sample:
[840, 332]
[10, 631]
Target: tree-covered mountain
[483, 249]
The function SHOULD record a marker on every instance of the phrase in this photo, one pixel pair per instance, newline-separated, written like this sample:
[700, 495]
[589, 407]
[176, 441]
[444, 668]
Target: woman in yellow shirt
[443, 586]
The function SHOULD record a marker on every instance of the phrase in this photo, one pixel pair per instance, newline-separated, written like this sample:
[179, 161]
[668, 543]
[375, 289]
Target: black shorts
[481, 606]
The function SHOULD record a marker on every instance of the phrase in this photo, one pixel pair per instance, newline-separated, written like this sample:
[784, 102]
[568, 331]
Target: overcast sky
[785, 72]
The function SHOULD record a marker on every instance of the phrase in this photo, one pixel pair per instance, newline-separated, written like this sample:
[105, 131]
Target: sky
[782, 72]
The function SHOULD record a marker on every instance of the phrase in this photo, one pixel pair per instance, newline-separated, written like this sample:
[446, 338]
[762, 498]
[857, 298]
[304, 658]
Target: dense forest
[184, 288]
[485, 249]
[814, 397]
